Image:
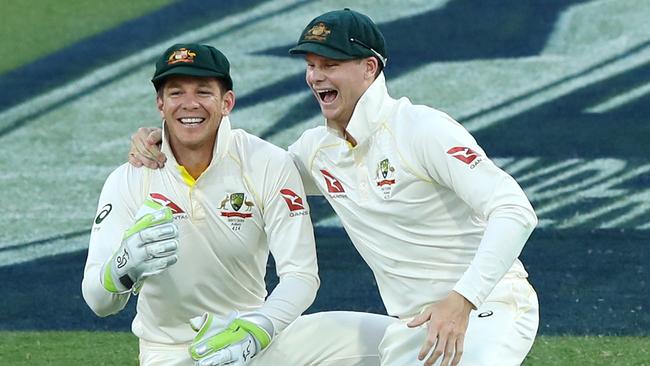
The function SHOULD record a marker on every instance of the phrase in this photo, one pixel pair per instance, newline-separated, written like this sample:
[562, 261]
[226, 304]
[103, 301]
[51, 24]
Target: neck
[349, 138]
[195, 161]
[341, 127]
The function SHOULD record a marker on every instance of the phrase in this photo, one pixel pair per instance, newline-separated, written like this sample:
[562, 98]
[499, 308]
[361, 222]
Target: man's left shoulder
[422, 118]
[254, 147]
[419, 113]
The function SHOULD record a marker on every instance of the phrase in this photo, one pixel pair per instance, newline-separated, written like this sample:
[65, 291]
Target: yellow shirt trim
[187, 178]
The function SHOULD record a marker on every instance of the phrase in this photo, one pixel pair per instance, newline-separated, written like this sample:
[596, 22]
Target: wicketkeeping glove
[233, 341]
[148, 248]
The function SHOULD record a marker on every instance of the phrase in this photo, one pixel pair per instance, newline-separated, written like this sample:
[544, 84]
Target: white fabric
[420, 220]
[223, 248]
[500, 332]
[325, 339]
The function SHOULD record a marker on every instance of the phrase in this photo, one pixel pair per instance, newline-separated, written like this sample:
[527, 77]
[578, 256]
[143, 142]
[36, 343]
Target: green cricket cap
[192, 59]
[342, 35]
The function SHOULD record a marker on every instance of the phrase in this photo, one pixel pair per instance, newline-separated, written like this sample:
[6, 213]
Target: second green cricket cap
[342, 35]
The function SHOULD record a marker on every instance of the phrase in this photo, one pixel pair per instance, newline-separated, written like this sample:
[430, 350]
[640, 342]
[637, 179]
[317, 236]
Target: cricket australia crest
[182, 55]
[318, 32]
[385, 178]
[236, 209]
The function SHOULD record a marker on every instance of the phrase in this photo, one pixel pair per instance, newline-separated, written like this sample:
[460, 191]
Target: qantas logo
[333, 184]
[159, 198]
[292, 199]
[464, 154]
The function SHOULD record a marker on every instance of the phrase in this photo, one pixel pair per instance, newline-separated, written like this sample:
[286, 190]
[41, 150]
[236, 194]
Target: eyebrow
[176, 84]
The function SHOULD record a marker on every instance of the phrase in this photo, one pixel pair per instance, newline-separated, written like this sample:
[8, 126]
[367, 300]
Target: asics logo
[485, 314]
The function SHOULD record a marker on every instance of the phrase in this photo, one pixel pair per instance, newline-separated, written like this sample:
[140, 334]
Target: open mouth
[327, 96]
[189, 121]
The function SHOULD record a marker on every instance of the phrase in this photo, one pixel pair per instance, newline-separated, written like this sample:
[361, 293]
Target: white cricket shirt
[249, 200]
[415, 196]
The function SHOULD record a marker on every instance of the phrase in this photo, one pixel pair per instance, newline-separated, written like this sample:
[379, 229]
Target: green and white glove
[233, 341]
[148, 248]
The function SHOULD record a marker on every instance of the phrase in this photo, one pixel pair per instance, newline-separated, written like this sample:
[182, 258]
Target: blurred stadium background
[556, 91]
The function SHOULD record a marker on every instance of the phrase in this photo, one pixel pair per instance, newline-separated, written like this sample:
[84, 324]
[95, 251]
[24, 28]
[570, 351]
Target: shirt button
[199, 212]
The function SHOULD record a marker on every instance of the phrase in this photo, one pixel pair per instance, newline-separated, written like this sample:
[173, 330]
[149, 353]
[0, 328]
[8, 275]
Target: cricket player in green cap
[192, 239]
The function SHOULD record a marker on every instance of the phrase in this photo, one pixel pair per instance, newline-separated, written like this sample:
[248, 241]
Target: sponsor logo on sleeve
[466, 155]
[103, 213]
[294, 202]
[334, 186]
[161, 199]
[292, 199]
[486, 314]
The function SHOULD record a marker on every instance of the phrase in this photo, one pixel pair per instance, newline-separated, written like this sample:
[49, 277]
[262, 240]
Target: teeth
[324, 92]
[190, 120]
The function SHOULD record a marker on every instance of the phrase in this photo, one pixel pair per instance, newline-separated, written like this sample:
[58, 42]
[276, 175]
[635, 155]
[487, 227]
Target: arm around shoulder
[291, 241]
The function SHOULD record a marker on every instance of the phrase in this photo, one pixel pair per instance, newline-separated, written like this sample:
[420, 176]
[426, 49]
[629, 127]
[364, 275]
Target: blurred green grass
[121, 348]
[32, 29]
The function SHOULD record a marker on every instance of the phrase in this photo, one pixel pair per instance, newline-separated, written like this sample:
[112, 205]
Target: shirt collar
[371, 110]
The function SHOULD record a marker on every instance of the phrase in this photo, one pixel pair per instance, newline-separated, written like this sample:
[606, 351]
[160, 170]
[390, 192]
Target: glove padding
[233, 341]
[148, 248]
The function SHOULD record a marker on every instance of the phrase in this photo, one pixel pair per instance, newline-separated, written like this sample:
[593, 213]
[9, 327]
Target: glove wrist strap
[110, 285]
[258, 333]
[126, 281]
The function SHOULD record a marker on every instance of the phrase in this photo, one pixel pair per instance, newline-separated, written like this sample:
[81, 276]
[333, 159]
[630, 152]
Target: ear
[372, 64]
[160, 104]
[228, 102]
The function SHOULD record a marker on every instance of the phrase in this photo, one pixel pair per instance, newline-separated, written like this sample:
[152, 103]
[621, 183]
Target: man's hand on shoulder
[145, 148]
[232, 341]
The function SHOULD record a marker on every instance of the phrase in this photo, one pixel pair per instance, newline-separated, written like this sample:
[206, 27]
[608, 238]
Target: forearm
[290, 298]
[100, 301]
[506, 233]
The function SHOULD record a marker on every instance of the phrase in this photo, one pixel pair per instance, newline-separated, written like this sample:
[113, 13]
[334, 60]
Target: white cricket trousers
[337, 338]
[500, 332]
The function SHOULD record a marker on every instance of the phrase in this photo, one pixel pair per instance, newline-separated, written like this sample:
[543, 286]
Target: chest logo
[161, 199]
[385, 173]
[233, 203]
[466, 155]
[385, 177]
[333, 184]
